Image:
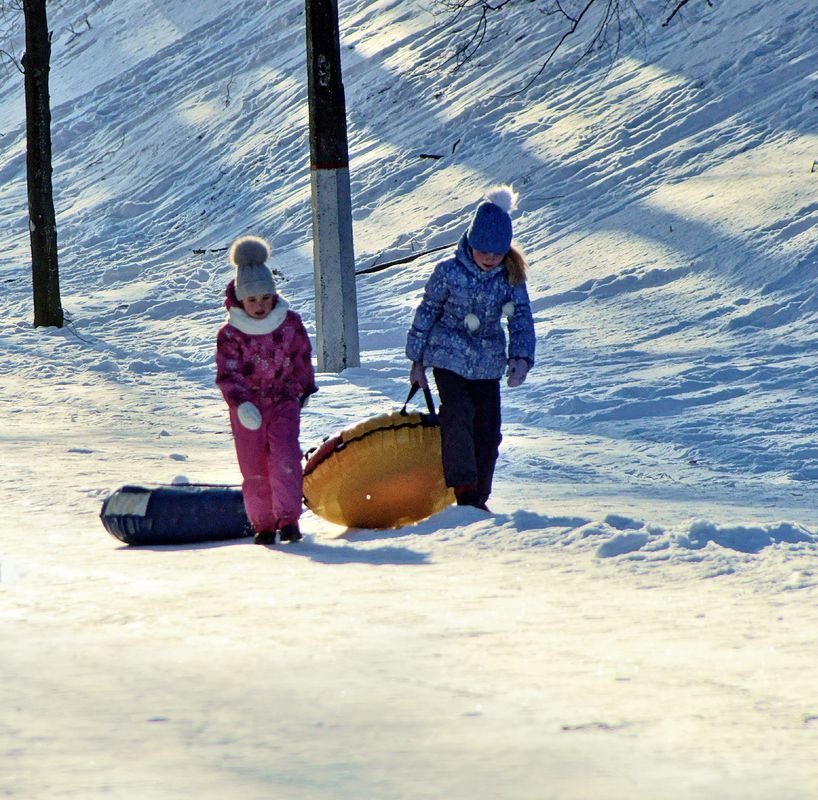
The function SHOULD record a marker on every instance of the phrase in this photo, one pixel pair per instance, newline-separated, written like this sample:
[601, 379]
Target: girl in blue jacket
[458, 331]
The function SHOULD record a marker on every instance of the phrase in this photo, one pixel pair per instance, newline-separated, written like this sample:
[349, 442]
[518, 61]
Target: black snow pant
[470, 423]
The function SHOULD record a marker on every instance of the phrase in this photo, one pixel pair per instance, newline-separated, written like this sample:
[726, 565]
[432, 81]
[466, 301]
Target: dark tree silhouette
[42, 223]
[35, 65]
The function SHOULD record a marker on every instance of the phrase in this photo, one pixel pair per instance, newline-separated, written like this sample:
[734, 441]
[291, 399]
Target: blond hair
[516, 266]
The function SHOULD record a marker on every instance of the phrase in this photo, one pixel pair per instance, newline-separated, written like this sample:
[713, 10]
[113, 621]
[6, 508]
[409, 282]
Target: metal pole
[336, 311]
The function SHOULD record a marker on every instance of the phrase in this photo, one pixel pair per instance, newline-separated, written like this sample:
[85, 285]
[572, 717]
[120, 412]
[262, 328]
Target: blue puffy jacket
[458, 324]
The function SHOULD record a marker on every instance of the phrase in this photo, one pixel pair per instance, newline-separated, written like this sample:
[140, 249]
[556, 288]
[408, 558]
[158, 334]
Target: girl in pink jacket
[264, 370]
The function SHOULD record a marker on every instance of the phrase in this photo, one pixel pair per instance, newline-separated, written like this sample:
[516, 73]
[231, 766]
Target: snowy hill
[632, 620]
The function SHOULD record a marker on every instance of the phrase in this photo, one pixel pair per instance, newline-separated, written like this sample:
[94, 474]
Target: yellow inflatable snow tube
[384, 472]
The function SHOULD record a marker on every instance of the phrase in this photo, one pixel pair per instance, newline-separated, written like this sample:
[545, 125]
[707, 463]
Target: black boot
[267, 537]
[291, 533]
[469, 496]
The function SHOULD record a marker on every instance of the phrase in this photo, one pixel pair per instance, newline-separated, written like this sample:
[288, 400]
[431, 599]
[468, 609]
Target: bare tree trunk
[42, 221]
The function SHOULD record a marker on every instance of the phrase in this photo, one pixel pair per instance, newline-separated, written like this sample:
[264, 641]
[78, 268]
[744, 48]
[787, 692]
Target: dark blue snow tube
[178, 514]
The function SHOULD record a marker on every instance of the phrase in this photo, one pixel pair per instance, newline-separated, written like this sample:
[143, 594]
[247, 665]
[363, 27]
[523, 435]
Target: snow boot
[267, 537]
[469, 496]
[291, 533]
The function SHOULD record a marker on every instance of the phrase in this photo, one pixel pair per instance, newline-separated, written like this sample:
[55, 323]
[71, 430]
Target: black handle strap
[427, 393]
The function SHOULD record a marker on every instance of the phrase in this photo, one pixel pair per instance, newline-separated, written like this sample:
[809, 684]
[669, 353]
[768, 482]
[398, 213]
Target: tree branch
[612, 27]
[677, 8]
[465, 51]
[575, 23]
[13, 60]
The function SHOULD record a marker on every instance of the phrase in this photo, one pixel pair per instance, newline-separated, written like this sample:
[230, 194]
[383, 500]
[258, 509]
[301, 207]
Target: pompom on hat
[249, 256]
[490, 230]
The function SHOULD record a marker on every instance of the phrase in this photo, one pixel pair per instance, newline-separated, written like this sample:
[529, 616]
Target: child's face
[486, 261]
[258, 306]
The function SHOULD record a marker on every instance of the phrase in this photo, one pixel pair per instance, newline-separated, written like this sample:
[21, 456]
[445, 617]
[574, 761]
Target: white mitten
[249, 416]
[417, 375]
[517, 371]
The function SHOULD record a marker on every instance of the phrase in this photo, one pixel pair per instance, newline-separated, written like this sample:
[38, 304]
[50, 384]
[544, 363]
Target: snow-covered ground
[638, 615]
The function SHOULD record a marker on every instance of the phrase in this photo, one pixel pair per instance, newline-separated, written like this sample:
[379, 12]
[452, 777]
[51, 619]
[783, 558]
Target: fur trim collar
[239, 318]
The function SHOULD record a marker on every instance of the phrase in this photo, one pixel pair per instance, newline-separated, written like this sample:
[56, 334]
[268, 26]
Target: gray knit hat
[249, 256]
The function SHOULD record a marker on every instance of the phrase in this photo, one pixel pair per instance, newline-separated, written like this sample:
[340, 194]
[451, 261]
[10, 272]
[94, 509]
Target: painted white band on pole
[334, 256]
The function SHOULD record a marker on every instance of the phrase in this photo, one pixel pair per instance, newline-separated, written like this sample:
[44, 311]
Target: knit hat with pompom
[249, 256]
[490, 230]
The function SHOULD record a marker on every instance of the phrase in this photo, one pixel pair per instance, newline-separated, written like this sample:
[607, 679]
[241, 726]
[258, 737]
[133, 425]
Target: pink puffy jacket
[263, 361]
